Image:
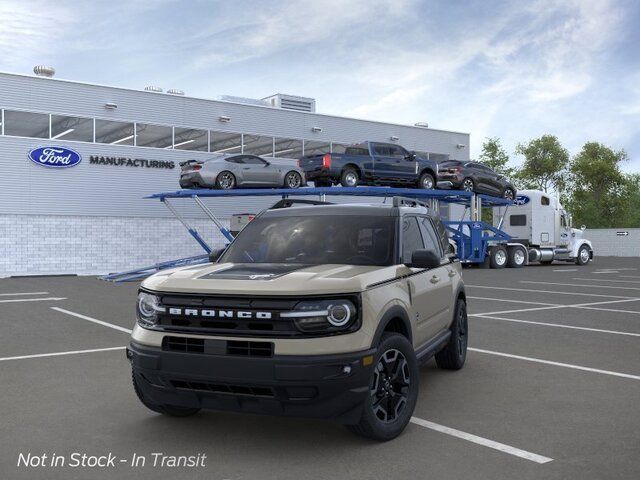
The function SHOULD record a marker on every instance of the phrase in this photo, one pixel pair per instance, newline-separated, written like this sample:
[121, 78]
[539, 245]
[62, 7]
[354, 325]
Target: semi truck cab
[540, 223]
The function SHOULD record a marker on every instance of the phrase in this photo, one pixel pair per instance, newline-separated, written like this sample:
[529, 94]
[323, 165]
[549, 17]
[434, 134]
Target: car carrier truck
[538, 224]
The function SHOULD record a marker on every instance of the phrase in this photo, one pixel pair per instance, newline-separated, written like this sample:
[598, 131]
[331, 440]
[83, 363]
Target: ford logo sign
[55, 157]
[521, 200]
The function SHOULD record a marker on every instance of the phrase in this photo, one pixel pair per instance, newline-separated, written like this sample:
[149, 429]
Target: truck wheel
[498, 257]
[583, 255]
[517, 257]
[452, 356]
[393, 390]
[349, 178]
[169, 410]
[426, 182]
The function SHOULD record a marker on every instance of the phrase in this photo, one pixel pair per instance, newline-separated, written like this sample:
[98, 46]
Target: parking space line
[47, 299]
[576, 305]
[94, 320]
[558, 325]
[605, 280]
[566, 270]
[629, 276]
[556, 364]
[58, 354]
[528, 290]
[580, 285]
[524, 302]
[485, 442]
[23, 293]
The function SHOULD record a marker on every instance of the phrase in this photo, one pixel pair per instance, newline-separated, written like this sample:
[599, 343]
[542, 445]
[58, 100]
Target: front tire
[225, 180]
[426, 182]
[453, 356]
[393, 390]
[584, 255]
[292, 180]
[349, 178]
[468, 185]
[170, 410]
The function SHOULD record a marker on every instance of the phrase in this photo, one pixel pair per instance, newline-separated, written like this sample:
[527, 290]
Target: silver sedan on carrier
[241, 170]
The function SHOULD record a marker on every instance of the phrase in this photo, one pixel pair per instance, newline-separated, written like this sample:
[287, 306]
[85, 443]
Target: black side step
[432, 347]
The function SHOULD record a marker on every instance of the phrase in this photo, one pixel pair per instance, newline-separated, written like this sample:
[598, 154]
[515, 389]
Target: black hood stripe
[255, 271]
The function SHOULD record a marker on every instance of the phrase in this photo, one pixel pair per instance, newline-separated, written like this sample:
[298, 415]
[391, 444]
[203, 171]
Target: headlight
[323, 316]
[148, 307]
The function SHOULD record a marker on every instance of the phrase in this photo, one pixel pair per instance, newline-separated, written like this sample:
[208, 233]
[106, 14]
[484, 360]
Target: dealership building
[92, 217]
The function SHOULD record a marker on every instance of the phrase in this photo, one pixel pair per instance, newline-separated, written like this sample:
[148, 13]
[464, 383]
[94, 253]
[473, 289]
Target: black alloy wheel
[390, 389]
[293, 180]
[508, 194]
[468, 185]
[225, 180]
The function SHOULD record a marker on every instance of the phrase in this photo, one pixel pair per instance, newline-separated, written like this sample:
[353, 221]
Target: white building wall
[613, 241]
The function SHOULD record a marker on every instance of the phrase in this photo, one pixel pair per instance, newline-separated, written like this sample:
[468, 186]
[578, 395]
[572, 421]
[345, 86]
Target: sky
[509, 69]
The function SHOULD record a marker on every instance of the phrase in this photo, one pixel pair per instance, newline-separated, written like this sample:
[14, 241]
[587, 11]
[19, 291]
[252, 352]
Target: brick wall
[48, 245]
[607, 241]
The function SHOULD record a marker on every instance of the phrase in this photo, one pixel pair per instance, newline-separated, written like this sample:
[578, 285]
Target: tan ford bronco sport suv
[321, 311]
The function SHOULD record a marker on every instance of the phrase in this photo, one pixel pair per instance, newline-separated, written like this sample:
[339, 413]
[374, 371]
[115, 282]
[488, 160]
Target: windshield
[315, 240]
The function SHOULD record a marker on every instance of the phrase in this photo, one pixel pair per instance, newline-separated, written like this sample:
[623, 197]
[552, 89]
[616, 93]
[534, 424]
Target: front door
[256, 171]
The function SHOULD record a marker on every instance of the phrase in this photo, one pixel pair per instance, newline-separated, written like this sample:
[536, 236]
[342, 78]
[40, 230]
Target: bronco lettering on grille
[192, 312]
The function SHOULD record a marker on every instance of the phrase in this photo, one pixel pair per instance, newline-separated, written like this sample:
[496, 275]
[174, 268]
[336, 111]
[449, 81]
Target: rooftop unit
[291, 102]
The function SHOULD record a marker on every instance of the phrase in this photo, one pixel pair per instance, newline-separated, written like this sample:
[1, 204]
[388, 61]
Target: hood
[577, 233]
[271, 279]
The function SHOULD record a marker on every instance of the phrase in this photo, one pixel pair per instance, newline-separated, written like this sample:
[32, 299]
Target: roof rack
[409, 202]
[290, 202]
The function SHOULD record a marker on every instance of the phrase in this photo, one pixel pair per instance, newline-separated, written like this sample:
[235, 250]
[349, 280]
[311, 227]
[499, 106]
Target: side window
[411, 238]
[431, 241]
[544, 200]
[251, 160]
[396, 151]
[517, 220]
[443, 236]
[235, 160]
[381, 150]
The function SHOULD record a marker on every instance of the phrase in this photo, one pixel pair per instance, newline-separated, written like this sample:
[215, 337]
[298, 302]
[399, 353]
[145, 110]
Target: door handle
[435, 279]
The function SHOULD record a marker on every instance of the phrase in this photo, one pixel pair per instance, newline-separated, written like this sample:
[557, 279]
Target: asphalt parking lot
[551, 390]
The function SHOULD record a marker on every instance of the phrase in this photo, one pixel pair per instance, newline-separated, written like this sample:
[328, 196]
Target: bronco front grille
[217, 347]
[255, 391]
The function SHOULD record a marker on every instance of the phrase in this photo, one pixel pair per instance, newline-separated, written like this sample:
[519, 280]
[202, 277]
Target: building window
[316, 148]
[190, 139]
[223, 142]
[26, 124]
[258, 145]
[338, 147]
[71, 128]
[287, 148]
[114, 133]
[157, 136]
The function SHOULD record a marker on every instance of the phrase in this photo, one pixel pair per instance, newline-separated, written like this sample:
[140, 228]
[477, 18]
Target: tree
[495, 157]
[600, 193]
[545, 164]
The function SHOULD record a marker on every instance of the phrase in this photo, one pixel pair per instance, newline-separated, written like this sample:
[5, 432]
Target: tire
[403, 388]
[516, 257]
[322, 183]
[498, 257]
[292, 180]
[584, 255]
[426, 182]
[509, 194]
[468, 185]
[225, 180]
[169, 410]
[453, 356]
[349, 177]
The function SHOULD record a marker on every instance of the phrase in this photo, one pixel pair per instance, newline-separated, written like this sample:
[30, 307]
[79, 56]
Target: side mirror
[215, 255]
[411, 157]
[424, 259]
[267, 163]
[583, 228]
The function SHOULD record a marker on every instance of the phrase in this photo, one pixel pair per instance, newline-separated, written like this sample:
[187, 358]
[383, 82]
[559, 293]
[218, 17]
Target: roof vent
[153, 88]
[44, 71]
[174, 91]
[243, 100]
[292, 102]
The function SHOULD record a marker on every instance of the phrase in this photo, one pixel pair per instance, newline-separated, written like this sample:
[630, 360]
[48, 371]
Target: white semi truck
[539, 225]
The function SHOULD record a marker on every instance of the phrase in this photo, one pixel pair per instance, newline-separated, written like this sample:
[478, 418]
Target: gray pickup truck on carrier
[371, 163]
[314, 310]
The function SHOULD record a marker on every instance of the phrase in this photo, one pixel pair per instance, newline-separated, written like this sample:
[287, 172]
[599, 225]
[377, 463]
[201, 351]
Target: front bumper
[323, 386]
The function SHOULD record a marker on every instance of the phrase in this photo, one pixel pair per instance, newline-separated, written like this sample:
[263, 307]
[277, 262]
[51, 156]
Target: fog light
[346, 369]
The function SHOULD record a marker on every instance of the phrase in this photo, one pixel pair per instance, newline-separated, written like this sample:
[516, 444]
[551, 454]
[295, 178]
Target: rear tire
[509, 194]
[170, 410]
[349, 178]
[426, 182]
[468, 185]
[393, 390]
[453, 356]
[498, 257]
[292, 180]
[225, 180]
[517, 257]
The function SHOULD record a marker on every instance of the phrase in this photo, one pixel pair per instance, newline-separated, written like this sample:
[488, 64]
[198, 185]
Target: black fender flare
[394, 312]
